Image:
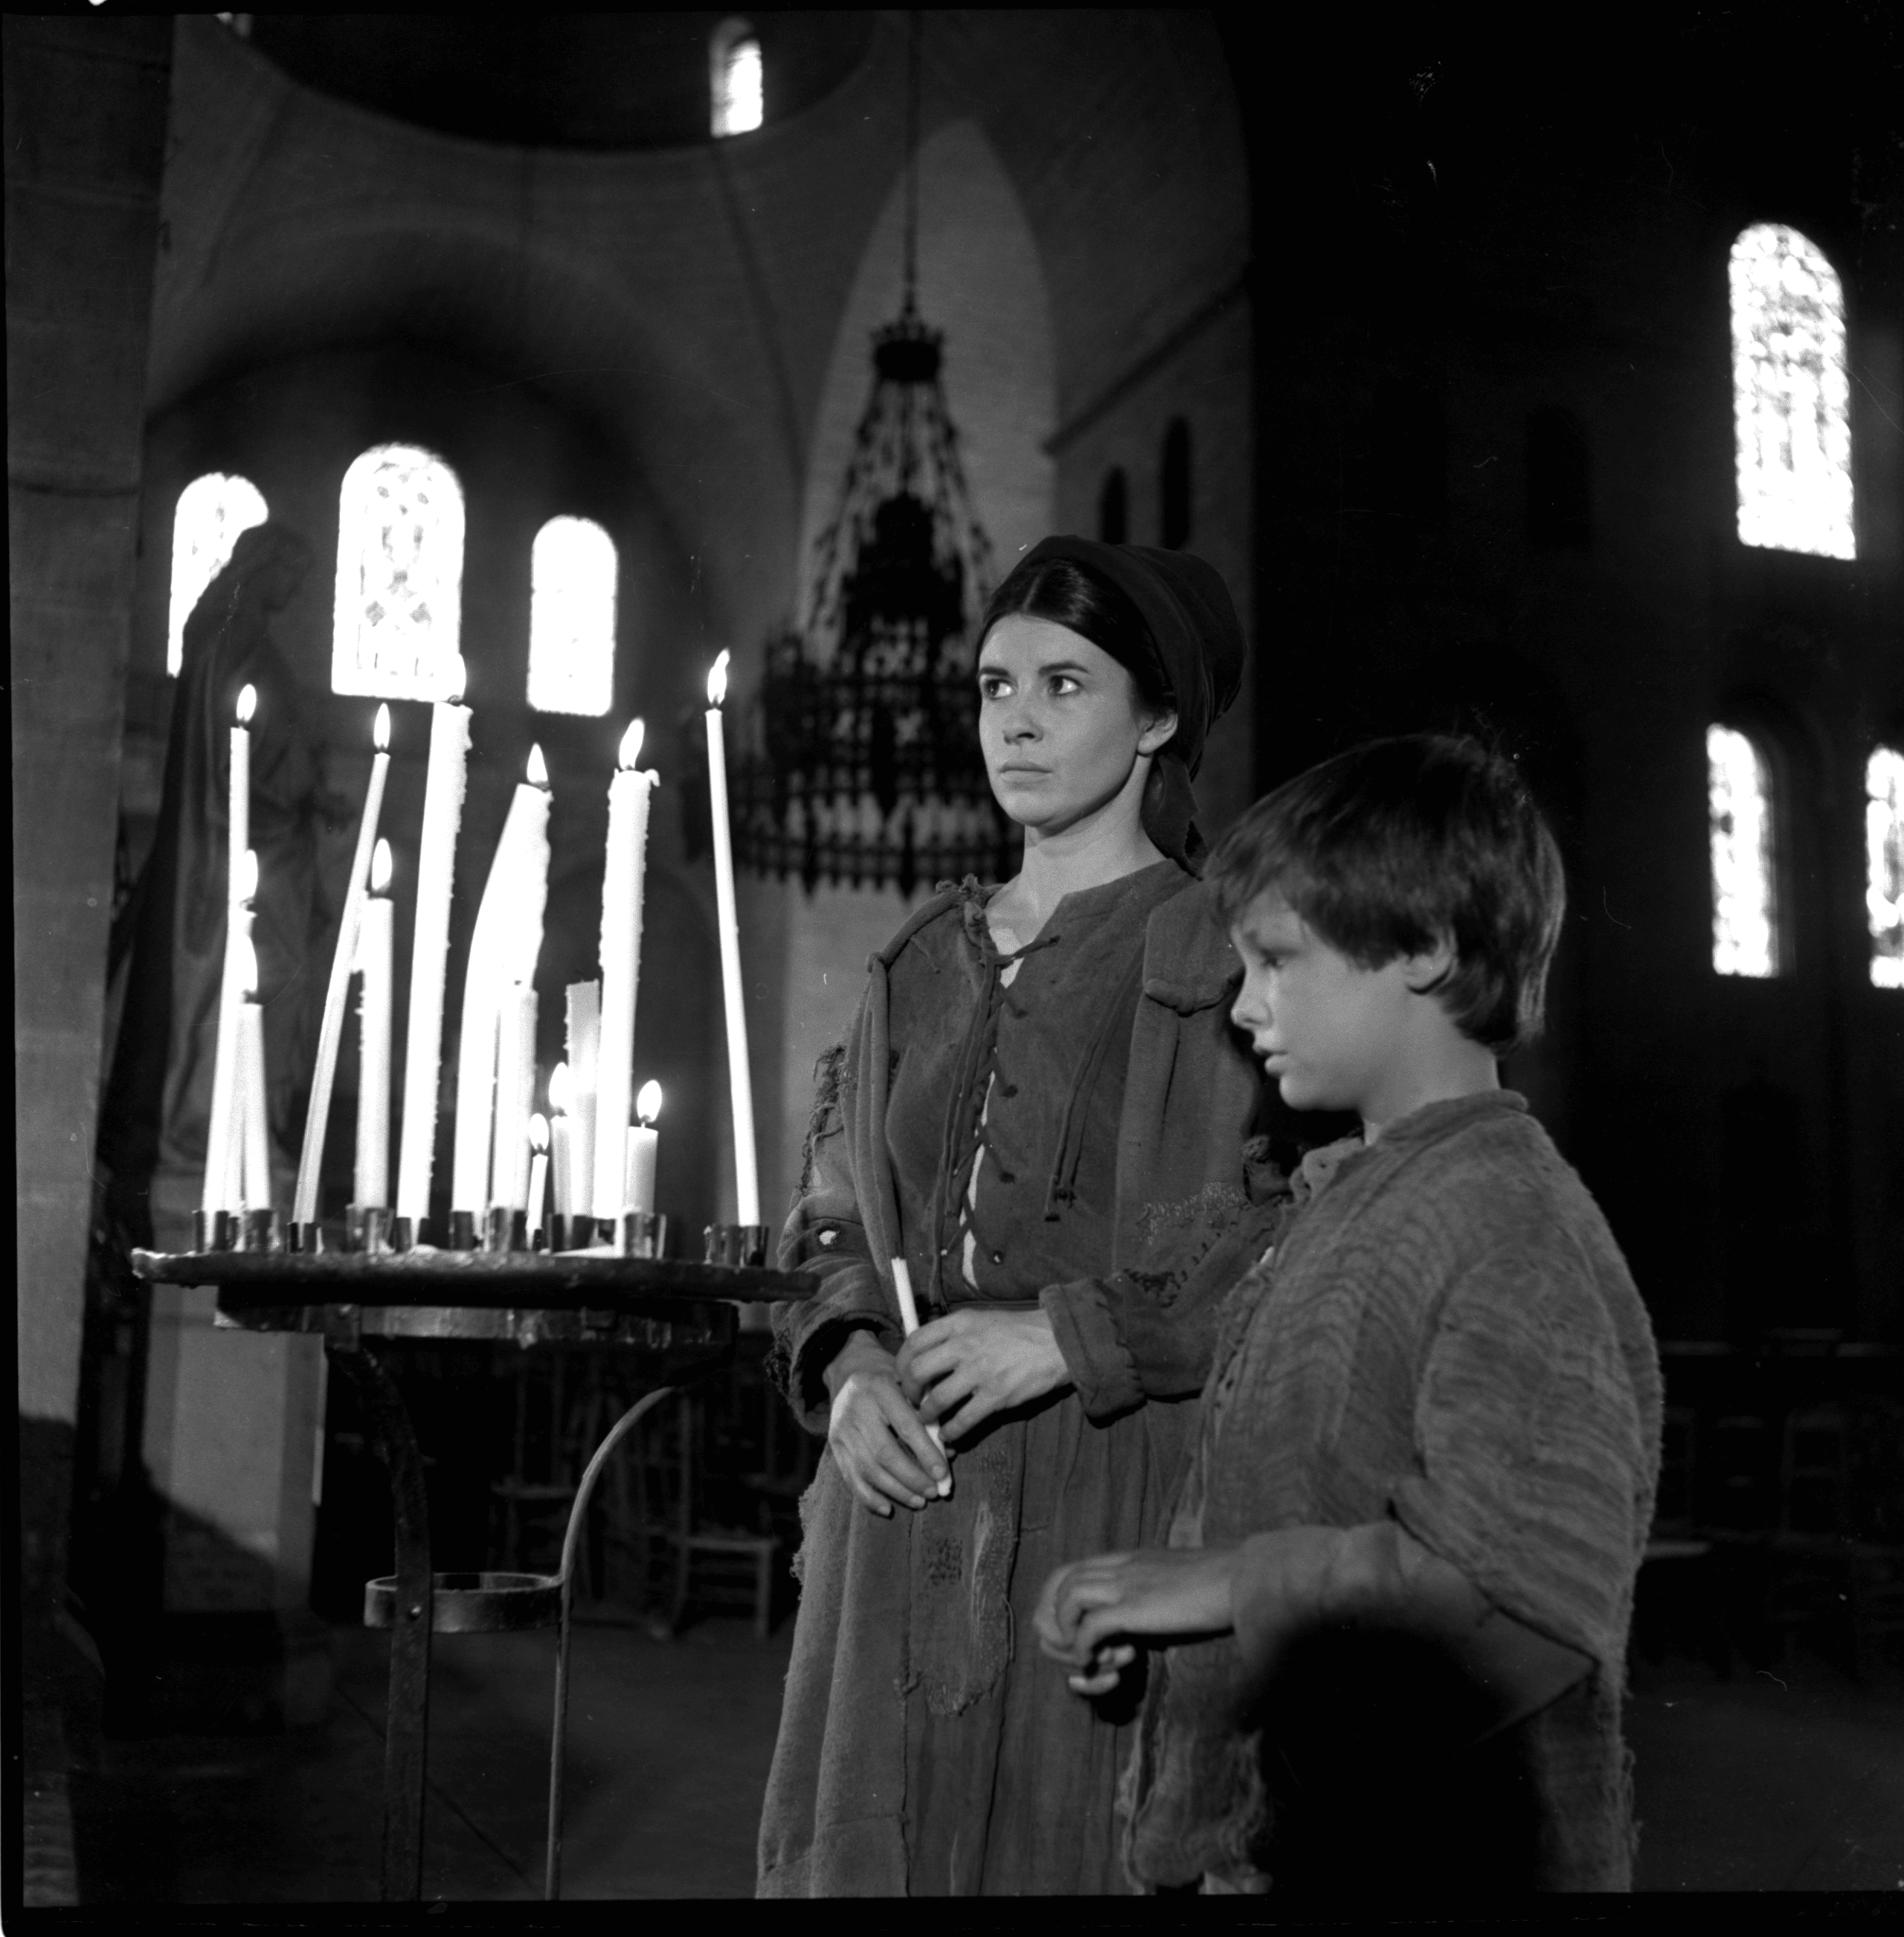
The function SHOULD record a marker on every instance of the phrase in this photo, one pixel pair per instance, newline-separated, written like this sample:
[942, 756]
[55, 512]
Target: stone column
[85, 103]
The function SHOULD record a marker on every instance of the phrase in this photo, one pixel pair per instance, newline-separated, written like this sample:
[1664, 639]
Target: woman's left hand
[960, 1369]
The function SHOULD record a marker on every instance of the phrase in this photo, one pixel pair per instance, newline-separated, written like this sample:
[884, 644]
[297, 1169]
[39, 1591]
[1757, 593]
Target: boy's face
[1331, 1033]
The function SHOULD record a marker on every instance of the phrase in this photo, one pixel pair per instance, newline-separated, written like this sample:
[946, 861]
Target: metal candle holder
[744, 1245]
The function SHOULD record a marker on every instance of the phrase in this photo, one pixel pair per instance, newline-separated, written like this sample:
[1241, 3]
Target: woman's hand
[975, 1362]
[876, 1438]
[1089, 1608]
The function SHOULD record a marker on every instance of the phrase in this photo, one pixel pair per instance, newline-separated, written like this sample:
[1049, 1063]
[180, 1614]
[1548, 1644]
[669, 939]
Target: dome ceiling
[557, 80]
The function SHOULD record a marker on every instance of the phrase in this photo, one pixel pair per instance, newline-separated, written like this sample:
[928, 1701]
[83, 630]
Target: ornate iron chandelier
[860, 760]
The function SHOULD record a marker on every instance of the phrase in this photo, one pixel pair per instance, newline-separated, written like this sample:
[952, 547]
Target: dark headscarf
[1199, 650]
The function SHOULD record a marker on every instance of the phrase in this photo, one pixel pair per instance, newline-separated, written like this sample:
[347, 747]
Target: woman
[1040, 1108]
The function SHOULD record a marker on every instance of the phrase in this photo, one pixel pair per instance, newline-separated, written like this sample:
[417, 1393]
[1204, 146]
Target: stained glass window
[738, 78]
[1884, 842]
[1745, 877]
[212, 510]
[571, 618]
[1791, 395]
[399, 577]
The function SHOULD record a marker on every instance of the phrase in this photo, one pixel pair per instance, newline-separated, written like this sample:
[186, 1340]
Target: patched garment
[1063, 1127]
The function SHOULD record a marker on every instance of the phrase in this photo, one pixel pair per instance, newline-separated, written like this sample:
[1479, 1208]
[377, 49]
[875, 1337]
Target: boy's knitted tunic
[1447, 1336]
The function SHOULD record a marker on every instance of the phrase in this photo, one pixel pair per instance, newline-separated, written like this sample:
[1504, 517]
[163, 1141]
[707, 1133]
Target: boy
[1399, 1574]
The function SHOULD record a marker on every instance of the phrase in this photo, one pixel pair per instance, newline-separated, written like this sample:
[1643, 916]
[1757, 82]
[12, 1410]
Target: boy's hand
[960, 1369]
[1089, 1608]
[883, 1452]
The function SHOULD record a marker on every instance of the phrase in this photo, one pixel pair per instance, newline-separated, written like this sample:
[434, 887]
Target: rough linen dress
[1092, 1084]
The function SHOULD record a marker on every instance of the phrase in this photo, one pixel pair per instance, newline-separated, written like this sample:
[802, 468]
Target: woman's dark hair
[1383, 850]
[1064, 592]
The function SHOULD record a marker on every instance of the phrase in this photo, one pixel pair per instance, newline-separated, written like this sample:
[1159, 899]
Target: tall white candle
[221, 1126]
[621, 965]
[317, 1120]
[255, 1137]
[538, 1173]
[562, 1167]
[243, 961]
[239, 811]
[374, 939]
[436, 864]
[584, 1045]
[746, 1181]
[644, 1149]
[503, 949]
[515, 1096]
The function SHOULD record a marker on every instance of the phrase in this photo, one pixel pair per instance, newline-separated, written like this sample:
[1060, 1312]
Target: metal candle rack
[605, 1296]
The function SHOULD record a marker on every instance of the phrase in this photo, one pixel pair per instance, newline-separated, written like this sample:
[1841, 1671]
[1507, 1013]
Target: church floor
[1765, 1782]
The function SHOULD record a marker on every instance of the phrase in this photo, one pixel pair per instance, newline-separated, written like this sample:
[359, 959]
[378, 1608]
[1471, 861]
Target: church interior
[1554, 397]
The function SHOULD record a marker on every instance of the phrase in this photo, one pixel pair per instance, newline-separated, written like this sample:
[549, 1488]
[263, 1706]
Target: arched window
[737, 78]
[571, 618]
[212, 510]
[399, 577]
[1114, 508]
[1175, 482]
[1884, 847]
[1745, 937]
[1791, 395]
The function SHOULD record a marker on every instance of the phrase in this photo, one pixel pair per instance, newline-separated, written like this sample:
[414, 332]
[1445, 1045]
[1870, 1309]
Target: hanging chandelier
[859, 761]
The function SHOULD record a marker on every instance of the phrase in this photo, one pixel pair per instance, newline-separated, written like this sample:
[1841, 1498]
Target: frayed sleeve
[825, 1236]
[1531, 1473]
[1144, 1334]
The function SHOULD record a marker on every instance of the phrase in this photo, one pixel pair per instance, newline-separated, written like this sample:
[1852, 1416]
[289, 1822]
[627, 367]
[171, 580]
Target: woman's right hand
[878, 1441]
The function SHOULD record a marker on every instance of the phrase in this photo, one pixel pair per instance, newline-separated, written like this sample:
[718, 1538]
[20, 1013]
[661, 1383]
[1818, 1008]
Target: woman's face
[1060, 722]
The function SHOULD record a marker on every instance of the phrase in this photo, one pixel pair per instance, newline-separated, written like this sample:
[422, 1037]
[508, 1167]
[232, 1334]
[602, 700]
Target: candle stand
[688, 1313]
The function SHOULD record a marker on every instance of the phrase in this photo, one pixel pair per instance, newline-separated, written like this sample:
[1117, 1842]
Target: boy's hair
[1383, 849]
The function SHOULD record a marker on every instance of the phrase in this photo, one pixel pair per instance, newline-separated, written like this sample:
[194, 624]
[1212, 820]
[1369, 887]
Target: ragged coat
[910, 1632]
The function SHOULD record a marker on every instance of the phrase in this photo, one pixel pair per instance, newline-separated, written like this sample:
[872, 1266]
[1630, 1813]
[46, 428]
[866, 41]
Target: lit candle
[316, 1118]
[221, 1127]
[515, 1096]
[255, 1137]
[503, 950]
[240, 816]
[746, 1182]
[373, 959]
[562, 1165]
[643, 1148]
[436, 866]
[538, 1173]
[583, 1044]
[622, 874]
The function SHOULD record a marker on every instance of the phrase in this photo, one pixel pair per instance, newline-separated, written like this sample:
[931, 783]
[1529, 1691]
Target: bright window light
[739, 94]
[1791, 395]
[1744, 899]
[399, 577]
[1884, 839]
[572, 619]
[212, 510]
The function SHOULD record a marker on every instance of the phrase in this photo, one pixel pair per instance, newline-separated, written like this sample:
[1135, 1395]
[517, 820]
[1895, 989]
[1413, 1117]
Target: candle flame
[538, 768]
[247, 966]
[248, 705]
[379, 734]
[559, 1090]
[631, 745]
[648, 1104]
[381, 868]
[538, 1132]
[246, 883]
[459, 682]
[718, 681]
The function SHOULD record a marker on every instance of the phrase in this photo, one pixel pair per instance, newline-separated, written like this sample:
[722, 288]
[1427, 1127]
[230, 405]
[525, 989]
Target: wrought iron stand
[687, 1312]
